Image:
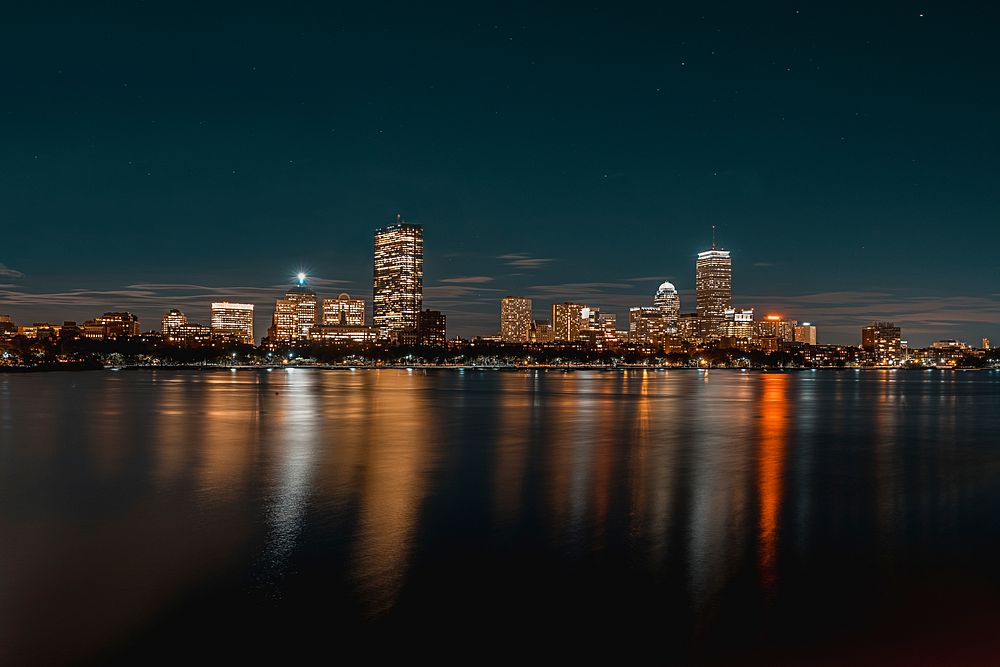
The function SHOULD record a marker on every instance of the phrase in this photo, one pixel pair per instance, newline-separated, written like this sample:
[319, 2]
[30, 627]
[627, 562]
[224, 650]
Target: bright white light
[302, 277]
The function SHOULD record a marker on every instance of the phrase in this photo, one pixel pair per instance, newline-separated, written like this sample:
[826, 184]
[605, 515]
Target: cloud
[438, 291]
[523, 261]
[8, 272]
[469, 279]
[646, 279]
[763, 265]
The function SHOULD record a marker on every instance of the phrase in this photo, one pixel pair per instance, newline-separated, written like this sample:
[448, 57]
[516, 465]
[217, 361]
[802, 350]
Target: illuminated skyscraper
[515, 319]
[713, 282]
[233, 321]
[343, 311]
[399, 277]
[669, 301]
[295, 315]
[647, 325]
[567, 320]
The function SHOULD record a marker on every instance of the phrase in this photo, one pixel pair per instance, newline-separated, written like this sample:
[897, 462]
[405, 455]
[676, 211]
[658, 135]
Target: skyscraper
[567, 320]
[515, 319]
[233, 321]
[713, 282]
[399, 277]
[295, 315]
[669, 301]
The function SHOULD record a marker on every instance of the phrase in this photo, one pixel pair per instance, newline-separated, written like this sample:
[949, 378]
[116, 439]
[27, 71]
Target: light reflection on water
[383, 494]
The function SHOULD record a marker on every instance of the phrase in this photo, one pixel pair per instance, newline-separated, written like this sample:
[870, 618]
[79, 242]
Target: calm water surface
[682, 517]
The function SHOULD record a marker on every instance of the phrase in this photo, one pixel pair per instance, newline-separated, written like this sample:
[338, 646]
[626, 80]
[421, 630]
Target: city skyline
[452, 294]
[576, 155]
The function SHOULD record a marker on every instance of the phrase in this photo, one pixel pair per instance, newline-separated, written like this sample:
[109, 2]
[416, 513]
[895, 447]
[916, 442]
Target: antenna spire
[713, 237]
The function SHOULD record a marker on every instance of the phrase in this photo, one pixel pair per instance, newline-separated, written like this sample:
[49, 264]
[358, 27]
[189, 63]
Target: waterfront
[679, 514]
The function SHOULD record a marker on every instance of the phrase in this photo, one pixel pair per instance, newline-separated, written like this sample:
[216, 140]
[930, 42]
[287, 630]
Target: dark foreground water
[831, 517]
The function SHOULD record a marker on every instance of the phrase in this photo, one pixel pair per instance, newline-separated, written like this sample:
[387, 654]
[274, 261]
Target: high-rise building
[398, 286]
[881, 340]
[713, 282]
[737, 324]
[172, 320]
[647, 325]
[515, 319]
[344, 311]
[669, 301]
[432, 328]
[777, 327]
[567, 320]
[986, 343]
[295, 315]
[805, 333]
[233, 321]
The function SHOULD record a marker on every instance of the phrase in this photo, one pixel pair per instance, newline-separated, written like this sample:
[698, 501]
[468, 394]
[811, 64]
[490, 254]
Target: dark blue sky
[162, 154]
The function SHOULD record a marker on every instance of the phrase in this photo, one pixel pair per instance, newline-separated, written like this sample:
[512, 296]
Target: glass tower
[399, 277]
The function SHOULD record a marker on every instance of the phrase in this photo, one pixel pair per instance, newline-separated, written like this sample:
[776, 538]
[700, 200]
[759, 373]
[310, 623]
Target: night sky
[163, 154]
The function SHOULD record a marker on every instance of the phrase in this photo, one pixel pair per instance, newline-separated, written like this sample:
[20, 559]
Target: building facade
[881, 342]
[398, 286]
[669, 301]
[233, 321]
[432, 328]
[344, 311]
[515, 319]
[713, 283]
[172, 320]
[567, 320]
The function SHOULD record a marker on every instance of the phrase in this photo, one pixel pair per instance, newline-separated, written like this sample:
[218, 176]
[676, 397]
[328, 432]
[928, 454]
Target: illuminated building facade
[171, 322]
[398, 286]
[233, 321]
[343, 333]
[647, 325]
[713, 281]
[541, 332]
[432, 328]
[881, 342]
[805, 333]
[515, 319]
[344, 311]
[110, 326]
[669, 301]
[295, 315]
[567, 320]
[986, 343]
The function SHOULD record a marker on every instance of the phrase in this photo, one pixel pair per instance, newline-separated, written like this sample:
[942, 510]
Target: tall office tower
[805, 333]
[233, 321]
[567, 320]
[669, 301]
[986, 343]
[172, 321]
[399, 277]
[515, 319]
[713, 282]
[881, 340]
[432, 328]
[343, 311]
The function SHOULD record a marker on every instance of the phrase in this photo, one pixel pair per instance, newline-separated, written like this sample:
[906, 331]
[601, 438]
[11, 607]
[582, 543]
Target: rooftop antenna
[713, 237]
[399, 217]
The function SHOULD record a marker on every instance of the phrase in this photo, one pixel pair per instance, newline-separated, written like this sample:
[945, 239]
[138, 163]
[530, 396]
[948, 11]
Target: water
[677, 516]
